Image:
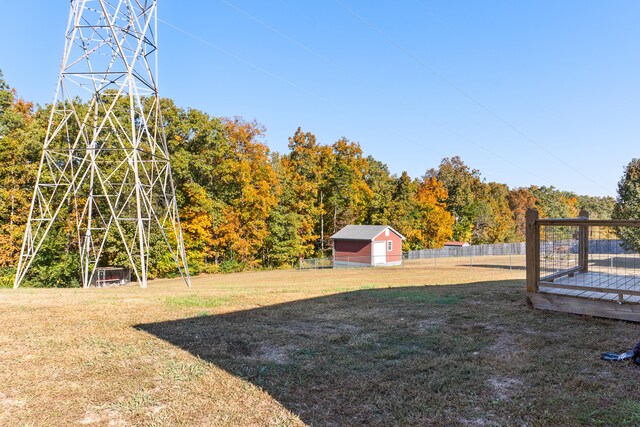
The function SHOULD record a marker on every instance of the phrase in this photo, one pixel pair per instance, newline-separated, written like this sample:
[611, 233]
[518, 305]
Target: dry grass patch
[397, 346]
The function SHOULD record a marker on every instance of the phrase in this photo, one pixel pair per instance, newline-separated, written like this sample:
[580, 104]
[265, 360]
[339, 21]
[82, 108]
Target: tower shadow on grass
[371, 357]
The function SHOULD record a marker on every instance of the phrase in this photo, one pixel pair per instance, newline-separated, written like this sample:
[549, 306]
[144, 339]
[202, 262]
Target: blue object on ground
[634, 354]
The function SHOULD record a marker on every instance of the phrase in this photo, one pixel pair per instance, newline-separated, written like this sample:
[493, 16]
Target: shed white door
[379, 253]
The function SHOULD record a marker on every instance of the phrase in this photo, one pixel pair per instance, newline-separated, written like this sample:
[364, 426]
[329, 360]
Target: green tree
[346, 186]
[381, 183]
[465, 189]
[628, 204]
[305, 171]
[494, 221]
[242, 206]
[553, 203]
[403, 206]
[283, 243]
[598, 207]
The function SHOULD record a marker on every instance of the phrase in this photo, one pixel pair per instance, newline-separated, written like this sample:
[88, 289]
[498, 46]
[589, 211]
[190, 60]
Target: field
[441, 343]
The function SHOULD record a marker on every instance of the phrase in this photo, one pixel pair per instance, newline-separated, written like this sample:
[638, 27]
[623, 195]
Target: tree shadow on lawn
[424, 355]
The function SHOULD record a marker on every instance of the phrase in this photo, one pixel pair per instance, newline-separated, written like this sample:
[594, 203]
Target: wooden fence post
[533, 251]
[583, 243]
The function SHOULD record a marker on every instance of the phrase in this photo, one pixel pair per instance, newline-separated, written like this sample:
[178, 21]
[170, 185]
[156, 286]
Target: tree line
[244, 206]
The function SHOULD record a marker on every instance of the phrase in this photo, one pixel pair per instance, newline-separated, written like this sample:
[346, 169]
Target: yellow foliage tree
[243, 220]
[431, 223]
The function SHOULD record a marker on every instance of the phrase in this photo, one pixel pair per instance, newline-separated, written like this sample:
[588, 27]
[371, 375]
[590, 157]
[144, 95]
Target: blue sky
[528, 92]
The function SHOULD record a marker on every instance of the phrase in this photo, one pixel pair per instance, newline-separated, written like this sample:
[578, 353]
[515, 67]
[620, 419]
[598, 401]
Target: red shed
[367, 245]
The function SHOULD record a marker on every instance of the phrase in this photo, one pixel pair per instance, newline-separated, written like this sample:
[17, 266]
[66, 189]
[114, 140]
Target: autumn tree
[464, 187]
[22, 132]
[242, 206]
[431, 225]
[520, 200]
[223, 168]
[198, 218]
[15, 120]
[244, 224]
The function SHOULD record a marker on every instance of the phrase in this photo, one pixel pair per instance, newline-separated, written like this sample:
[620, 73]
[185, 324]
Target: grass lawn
[445, 344]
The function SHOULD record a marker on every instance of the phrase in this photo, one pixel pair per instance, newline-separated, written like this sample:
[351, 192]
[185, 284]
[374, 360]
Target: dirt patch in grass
[419, 345]
[504, 388]
[7, 404]
[103, 417]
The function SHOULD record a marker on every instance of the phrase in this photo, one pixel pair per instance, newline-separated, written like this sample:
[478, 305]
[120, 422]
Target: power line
[261, 22]
[239, 58]
[504, 159]
[462, 92]
[280, 33]
[264, 71]
[423, 7]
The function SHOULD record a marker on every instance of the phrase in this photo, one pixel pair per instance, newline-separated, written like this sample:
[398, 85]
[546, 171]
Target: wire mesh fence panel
[348, 261]
[592, 260]
[315, 263]
[375, 260]
[558, 250]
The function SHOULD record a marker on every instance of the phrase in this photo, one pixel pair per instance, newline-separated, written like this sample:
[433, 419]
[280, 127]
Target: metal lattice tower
[105, 162]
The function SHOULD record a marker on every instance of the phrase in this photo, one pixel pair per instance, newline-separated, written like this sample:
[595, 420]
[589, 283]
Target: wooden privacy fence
[584, 266]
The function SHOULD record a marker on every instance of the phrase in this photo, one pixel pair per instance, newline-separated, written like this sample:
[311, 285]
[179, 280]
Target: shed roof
[362, 232]
[456, 244]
